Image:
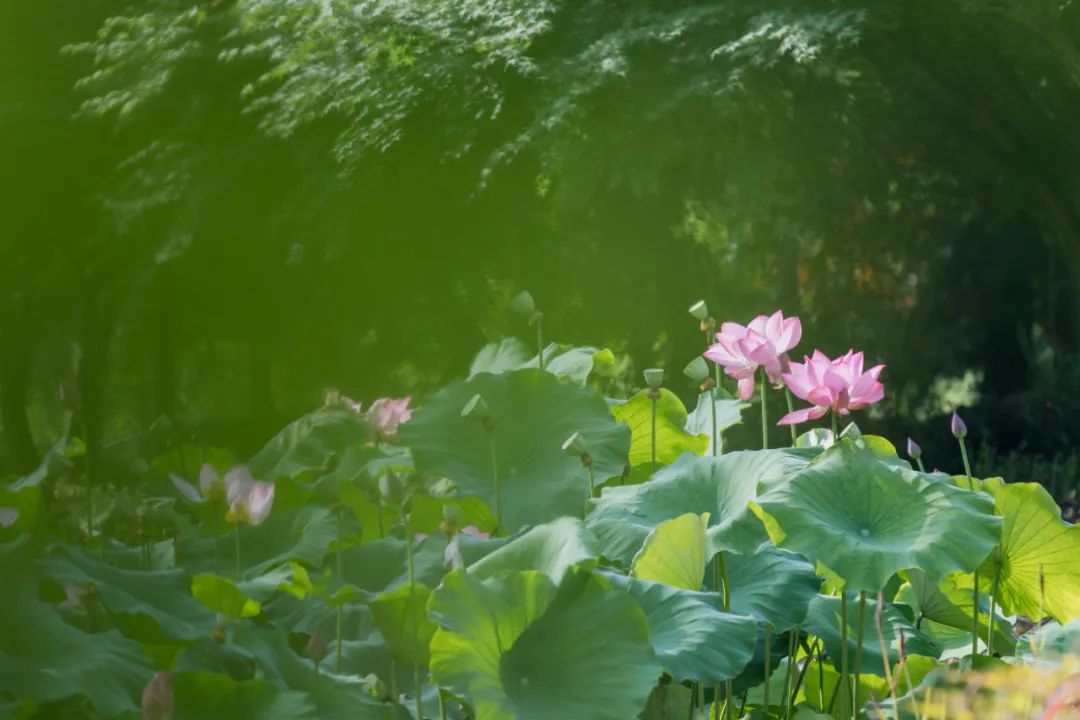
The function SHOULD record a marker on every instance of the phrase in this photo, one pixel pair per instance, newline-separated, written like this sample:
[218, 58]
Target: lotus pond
[522, 545]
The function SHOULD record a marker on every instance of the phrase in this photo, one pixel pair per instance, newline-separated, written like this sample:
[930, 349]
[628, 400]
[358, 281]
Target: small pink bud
[157, 698]
[959, 429]
[913, 449]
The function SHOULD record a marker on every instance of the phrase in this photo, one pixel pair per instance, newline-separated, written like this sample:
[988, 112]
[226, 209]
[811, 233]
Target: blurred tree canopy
[214, 210]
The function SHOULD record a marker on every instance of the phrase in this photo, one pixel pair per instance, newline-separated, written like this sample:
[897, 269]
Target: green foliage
[671, 440]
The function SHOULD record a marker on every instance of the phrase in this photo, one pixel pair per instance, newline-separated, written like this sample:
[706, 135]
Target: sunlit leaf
[674, 553]
[671, 439]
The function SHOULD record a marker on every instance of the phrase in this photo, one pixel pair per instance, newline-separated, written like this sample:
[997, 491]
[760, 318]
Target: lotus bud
[697, 370]
[157, 698]
[523, 304]
[699, 310]
[913, 449]
[477, 409]
[316, 648]
[391, 488]
[654, 377]
[959, 428]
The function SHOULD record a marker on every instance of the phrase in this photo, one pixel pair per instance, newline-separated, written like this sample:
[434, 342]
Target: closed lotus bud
[699, 310]
[316, 648]
[959, 428]
[697, 369]
[391, 488]
[523, 304]
[654, 377]
[157, 698]
[913, 449]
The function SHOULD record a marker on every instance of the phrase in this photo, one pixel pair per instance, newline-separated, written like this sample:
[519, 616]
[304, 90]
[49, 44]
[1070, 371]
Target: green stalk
[821, 676]
[993, 609]
[592, 481]
[89, 481]
[715, 432]
[495, 479]
[787, 674]
[885, 653]
[846, 699]
[729, 685]
[540, 342]
[764, 415]
[975, 616]
[417, 687]
[652, 396]
[442, 704]
[340, 607]
[835, 426]
[918, 461]
[790, 408]
[237, 551]
[858, 653]
[768, 669]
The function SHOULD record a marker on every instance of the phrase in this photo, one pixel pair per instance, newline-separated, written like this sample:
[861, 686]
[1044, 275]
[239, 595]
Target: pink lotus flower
[249, 500]
[839, 385]
[385, 414]
[763, 343]
[211, 485]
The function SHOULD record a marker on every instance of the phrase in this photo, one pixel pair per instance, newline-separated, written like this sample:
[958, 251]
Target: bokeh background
[214, 211]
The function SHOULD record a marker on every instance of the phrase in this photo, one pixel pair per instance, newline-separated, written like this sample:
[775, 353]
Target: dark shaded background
[909, 188]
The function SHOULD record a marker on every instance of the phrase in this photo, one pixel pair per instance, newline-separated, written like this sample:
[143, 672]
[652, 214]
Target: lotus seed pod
[959, 428]
[697, 369]
[654, 377]
[699, 310]
[575, 445]
[523, 304]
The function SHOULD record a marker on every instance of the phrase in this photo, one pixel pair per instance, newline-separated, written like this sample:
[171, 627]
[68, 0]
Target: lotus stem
[919, 462]
[885, 651]
[418, 690]
[237, 551]
[821, 676]
[592, 481]
[442, 703]
[340, 607]
[393, 679]
[89, 480]
[790, 408]
[715, 430]
[379, 518]
[787, 674]
[768, 669]
[653, 395]
[975, 615]
[835, 426]
[993, 609]
[810, 651]
[495, 480]
[764, 415]
[844, 651]
[539, 345]
[858, 653]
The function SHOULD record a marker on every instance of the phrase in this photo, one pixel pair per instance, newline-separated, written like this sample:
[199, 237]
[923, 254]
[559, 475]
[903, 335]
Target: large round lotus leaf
[823, 620]
[310, 445]
[622, 517]
[200, 695]
[948, 603]
[773, 585]
[671, 439]
[552, 549]
[728, 414]
[518, 648]
[563, 361]
[693, 638]
[533, 413]
[865, 520]
[674, 553]
[1034, 541]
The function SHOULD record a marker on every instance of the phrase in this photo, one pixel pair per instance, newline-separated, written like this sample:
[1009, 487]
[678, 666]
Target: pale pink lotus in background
[8, 516]
[764, 342]
[249, 500]
[839, 385]
[470, 530]
[157, 697]
[386, 414]
[211, 485]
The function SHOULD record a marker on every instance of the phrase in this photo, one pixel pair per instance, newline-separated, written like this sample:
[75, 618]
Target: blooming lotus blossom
[839, 385]
[211, 485]
[764, 342]
[249, 500]
[385, 414]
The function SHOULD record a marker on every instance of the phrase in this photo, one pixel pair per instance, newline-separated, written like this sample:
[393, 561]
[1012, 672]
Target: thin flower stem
[340, 607]
[787, 673]
[885, 652]
[715, 431]
[858, 653]
[810, 652]
[846, 698]
[442, 704]
[975, 615]
[410, 561]
[237, 551]
[418, 691]
[835, 426]
[919, 462]
[993, 609]
[764, 416]
[790, 408]
[592, 482]
[653, 426]
[495, 480]
[540, 342]
[768, 668]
